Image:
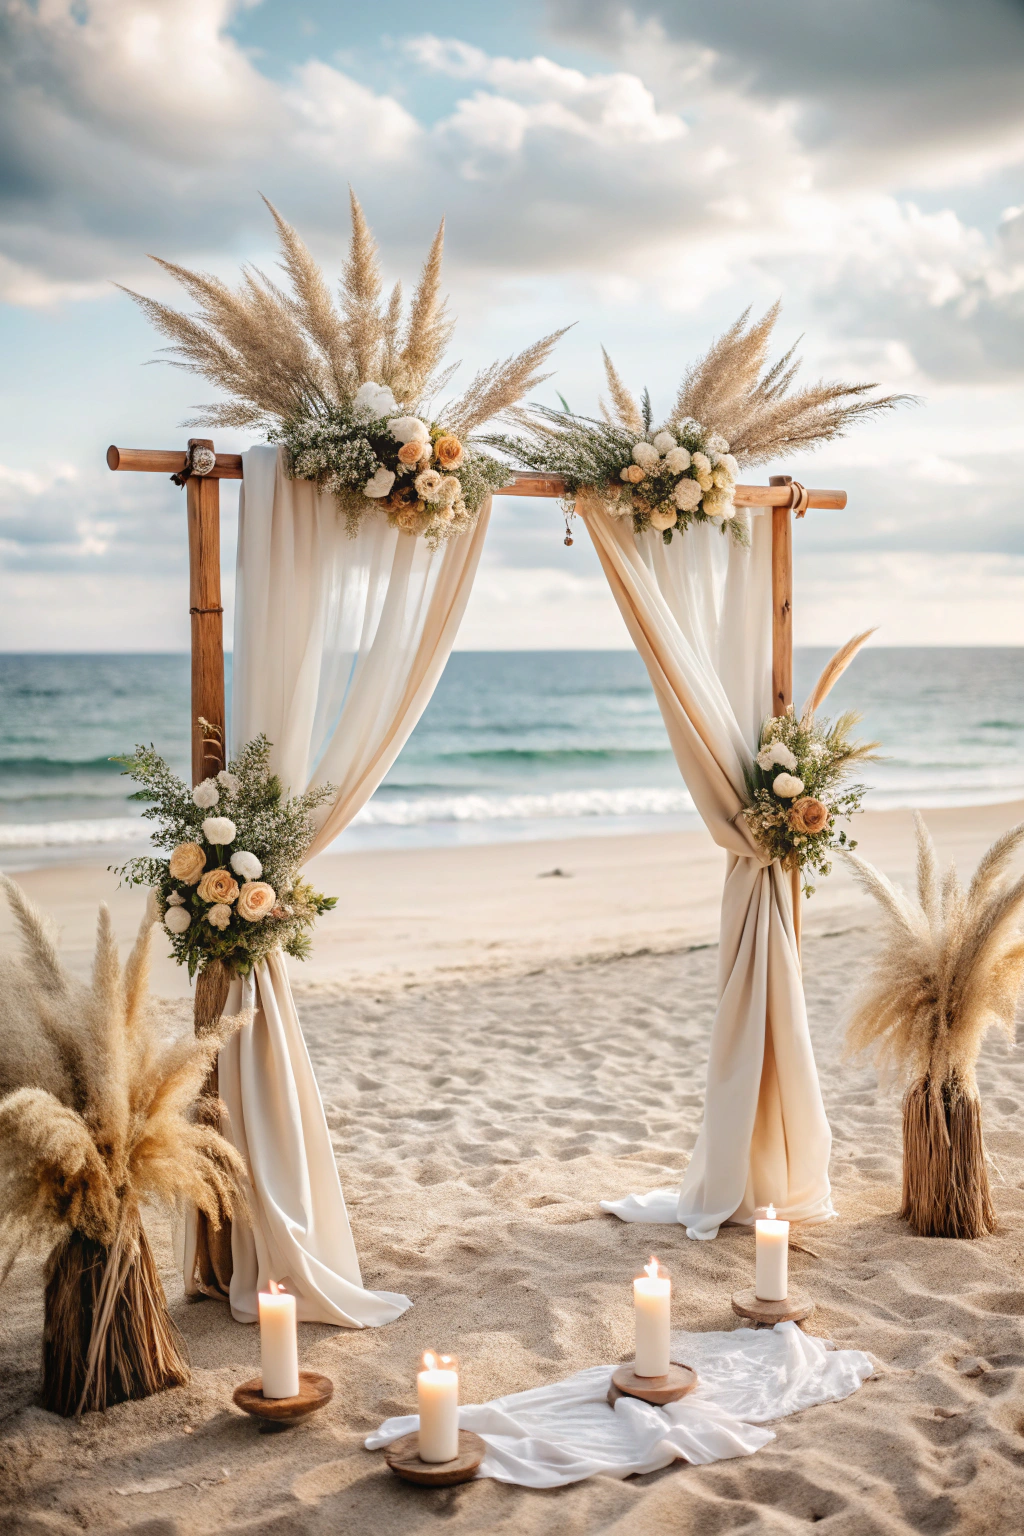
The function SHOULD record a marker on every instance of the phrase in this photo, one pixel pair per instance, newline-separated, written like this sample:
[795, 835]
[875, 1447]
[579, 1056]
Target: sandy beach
[499, 1047]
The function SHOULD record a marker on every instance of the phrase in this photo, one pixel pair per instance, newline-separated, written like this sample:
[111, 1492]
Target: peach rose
[449, 452]
[218, 885]
[808, 815]
[187, 863]
[411, 453]
[255, 900]
[632, 473]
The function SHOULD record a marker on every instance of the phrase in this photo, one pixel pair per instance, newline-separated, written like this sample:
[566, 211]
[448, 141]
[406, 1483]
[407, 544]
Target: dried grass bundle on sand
[96, 1119]
[951, 966]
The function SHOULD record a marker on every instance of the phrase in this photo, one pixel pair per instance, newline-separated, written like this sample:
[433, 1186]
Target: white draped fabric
[699, 613]
[339, 643]
[558, 1434]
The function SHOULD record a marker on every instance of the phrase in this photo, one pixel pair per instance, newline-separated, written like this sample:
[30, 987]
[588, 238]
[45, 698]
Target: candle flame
[654, 1269]
[770, 1213]
[434, 1362]
[275, 1289]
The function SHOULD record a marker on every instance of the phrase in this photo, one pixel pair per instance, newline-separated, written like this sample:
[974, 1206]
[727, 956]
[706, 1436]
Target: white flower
[175, 899]
[451, 486]
[787, 787]
[205, 795]
[718, 504]
[717, 443]
[686, 495]
[247, 865]
[219, 830]
[722, 478]
[409, 429]
[646, 455]
[664, 442]
[372, 401]
[176, 920]
[380, 483]
[663, 518]
[428, 484]
[677, 460]
[728, 462]
[701, 463]
[219, 915]
[776, 752]
[230, 781]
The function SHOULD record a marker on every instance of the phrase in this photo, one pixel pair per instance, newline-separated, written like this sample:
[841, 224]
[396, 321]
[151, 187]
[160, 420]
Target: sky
[644, 172]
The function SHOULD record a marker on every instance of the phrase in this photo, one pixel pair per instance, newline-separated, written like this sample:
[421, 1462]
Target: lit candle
[771, 1265]
[437, 1387]
[279, 1345]
[652, 1308]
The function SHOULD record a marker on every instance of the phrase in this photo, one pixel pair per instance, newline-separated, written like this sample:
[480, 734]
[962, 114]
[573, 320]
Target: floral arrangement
[731, 410]
[797, 782]
[229, 890]
[348, 390]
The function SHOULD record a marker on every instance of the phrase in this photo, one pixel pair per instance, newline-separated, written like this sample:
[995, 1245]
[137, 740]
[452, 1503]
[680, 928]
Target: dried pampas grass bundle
[96, 1119]
[950, 967]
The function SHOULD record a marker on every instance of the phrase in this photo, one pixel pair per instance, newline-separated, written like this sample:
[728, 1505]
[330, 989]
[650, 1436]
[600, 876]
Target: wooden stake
[782, 639]
[203, 496]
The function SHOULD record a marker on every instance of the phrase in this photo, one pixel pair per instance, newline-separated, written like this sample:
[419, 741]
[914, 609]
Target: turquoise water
[513, 745]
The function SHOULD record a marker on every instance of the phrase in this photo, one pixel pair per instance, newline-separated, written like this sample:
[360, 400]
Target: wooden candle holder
[276, 1413]
[796, 1307]
[403, 1457]
[658, 1390]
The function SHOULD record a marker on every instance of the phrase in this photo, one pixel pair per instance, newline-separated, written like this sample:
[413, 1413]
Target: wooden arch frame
[203, 510]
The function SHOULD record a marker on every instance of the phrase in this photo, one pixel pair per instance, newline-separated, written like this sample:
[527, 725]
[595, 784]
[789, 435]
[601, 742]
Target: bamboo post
[203, 499]
[213, 1266]
[782, 639]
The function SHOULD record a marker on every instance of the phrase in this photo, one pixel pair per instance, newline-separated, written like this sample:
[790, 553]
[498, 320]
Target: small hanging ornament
[568, 533]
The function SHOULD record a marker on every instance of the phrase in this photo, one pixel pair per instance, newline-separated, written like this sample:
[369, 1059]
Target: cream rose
[187, 863]
[428, 483]
[663, 518]
[410, 454]
[219, 916]
[632, 473]
[255, 900]
[808, 815]
[218, 885]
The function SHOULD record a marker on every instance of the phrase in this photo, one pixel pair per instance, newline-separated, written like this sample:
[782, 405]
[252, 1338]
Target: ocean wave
[73, 834]
[568, 804]
[51, 767]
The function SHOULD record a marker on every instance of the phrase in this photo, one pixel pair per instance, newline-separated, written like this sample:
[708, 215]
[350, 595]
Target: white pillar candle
[771, 1264]
[652, 1309]
[279, 1345]
[437, 1388]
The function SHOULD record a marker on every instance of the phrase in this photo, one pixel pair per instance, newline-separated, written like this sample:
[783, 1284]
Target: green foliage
[274, 829]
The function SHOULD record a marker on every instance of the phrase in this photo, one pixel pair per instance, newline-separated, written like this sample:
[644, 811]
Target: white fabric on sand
[559, 1434]
[339, 643]
[699, 613]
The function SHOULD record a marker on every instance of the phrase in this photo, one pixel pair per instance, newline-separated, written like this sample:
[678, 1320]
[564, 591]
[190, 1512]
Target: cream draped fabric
[339, 643]
[699, 613]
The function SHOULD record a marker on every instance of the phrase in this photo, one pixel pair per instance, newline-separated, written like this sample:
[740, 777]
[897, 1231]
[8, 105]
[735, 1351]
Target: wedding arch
[765, 1136]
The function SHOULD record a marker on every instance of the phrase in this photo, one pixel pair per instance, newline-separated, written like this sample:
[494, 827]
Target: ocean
[514, 745]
